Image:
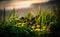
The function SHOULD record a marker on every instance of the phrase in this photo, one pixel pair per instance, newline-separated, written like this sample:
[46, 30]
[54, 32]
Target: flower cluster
[38, 28]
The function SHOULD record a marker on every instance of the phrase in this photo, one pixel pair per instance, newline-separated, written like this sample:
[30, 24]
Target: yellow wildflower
[33, 27]
[22, 24]
[38, 26]
[19, 23]
[37, 29]
[44, 27]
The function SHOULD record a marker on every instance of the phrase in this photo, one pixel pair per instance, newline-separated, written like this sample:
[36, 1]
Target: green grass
[28, 26]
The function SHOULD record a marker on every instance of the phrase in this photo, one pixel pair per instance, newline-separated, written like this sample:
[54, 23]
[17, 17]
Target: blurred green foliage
[29, 26]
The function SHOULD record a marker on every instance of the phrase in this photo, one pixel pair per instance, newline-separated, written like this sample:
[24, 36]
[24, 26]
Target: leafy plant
[28, 26]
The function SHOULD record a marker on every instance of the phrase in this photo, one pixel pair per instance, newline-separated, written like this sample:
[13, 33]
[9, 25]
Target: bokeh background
[23, 6]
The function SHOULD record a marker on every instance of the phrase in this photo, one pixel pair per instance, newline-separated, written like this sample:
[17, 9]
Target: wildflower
[33, 27]
[22, 24]
[19, 23]
[37, 29]
[44, 27]
[38, 26]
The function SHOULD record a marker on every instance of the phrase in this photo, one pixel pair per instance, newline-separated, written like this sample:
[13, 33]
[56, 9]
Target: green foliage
[29, 26]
